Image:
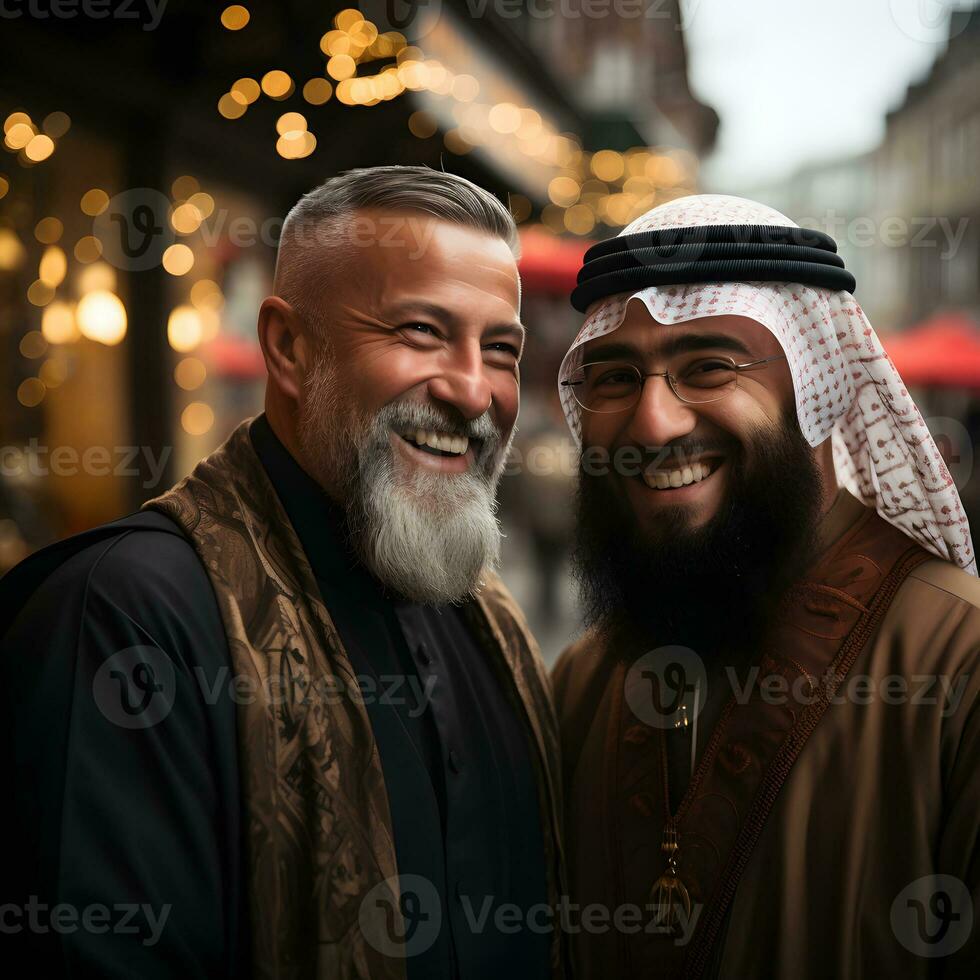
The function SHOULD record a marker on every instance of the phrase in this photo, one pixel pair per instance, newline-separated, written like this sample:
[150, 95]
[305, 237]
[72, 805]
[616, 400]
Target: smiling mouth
[675, 478]
[437, 443]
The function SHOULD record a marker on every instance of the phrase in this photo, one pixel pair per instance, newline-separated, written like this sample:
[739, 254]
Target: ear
[284, 345]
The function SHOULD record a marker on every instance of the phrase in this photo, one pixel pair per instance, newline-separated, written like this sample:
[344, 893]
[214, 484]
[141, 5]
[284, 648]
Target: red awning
[237, 358]
[550, 263]
[943, 351]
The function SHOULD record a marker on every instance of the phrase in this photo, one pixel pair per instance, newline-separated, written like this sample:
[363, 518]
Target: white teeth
[663, 480]
[438, 440]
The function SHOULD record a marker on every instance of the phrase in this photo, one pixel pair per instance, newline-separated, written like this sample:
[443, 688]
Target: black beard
[714, 588]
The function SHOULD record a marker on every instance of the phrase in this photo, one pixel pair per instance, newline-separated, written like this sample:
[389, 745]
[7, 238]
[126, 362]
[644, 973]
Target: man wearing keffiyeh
[771, 728]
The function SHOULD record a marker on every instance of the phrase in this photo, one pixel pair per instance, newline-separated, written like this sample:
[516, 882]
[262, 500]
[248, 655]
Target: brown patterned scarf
[318, 829]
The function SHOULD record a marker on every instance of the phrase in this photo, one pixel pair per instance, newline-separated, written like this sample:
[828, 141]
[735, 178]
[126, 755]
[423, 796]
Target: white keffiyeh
[846, 386]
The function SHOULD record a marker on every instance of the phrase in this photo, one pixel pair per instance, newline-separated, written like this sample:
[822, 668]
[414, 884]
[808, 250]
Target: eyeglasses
[615, 386]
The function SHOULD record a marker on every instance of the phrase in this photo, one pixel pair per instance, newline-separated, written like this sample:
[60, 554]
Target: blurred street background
[153, 147]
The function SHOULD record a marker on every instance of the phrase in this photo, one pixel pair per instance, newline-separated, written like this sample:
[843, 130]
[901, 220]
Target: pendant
[669, 898]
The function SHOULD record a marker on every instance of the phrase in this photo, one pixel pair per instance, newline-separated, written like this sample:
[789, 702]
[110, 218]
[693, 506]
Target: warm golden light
[53, 266]
[101, 316]
[348, 18]
[19, 135]
[186, 218]
[184, 186]
[335, 42]
[88, 249]
[94, 202]
[204, 203]
[235, 17]
[12, 252]
[14, 118]
[178, 260]
[317, 91]
[422, 124]
[454, 142]
[607, 165]
[564, 191]
[58, 323]
[579, 219]
[207, 295]
[277, 84]
[53, 372]
[48, 230]
[246, 89]
[33, 344]
[99, 276]
[465, 88]
[190, 373]
[39, 148]
[185, 329]
[505, 117]
[341, 66]
[290, 122]
[4, 186]
[197, 418]
[30, 392]
[39, 293]
[230, 107]
[296, 145]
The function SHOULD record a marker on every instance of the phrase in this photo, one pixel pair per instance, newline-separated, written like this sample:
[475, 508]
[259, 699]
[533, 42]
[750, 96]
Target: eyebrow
[677, 345]
[434, 311]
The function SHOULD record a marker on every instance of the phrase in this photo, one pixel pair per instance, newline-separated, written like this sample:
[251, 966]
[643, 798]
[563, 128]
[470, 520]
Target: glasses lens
[706, 379]
[606, 386]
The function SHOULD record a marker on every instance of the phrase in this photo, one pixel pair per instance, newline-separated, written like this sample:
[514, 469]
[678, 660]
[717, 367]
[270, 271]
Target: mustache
[417, 415]
[679, 452]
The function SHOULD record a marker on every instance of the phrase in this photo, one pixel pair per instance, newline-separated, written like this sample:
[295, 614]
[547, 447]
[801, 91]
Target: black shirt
[454, 749]
[145, 822]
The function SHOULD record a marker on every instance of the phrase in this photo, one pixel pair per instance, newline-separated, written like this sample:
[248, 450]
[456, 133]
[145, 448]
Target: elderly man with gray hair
[286, 714]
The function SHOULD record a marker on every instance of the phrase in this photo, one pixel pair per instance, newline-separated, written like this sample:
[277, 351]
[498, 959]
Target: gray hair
[312, 245]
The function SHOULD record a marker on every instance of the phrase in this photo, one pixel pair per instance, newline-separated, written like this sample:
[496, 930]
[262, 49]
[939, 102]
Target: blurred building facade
[906, 215]
[147, 167]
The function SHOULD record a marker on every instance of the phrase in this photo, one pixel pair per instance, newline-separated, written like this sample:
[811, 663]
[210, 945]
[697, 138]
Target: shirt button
[455, 763]
[423, 655]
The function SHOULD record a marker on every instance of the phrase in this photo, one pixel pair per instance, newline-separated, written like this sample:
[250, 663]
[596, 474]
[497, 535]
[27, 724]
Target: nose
[462, 382]
[660, 415]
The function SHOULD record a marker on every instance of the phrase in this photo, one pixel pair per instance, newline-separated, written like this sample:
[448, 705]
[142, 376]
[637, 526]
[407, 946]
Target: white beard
[427, 536]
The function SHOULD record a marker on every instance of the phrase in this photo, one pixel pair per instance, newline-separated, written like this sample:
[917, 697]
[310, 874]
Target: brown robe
[807, 830]
[320, 843]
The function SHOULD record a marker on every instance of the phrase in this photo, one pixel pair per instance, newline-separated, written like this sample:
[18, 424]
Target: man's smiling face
[427, 318]
[688, 450]
[411, 398]
[704, 563]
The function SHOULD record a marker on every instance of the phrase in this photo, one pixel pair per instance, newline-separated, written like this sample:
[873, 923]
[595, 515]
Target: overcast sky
[801, 80]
